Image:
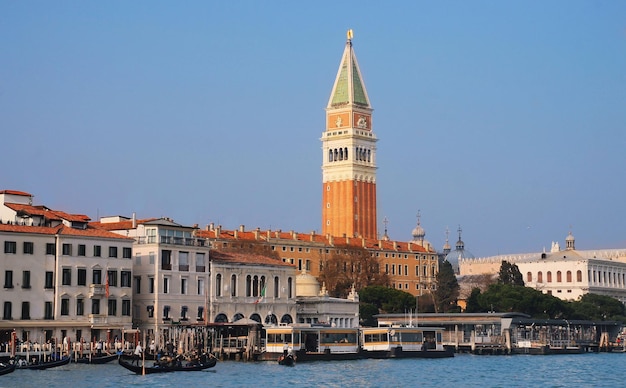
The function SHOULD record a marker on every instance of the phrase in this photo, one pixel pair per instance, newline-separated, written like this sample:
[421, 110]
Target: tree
[509, 298]
[380, 299]
[447, 292]
[349, 265]
[472, 304]
[598, 307]
[510, 274]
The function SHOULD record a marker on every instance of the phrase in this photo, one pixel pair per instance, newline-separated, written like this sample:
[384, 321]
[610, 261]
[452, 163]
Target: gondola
[5, 369]
[97, 359]
[288, 360]
[46, 365]
[157, 368]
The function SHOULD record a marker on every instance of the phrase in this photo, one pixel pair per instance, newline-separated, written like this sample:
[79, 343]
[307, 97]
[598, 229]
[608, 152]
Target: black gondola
[288, 360]
[184, 366]
[45, 365]
[97, 359]
[5, 369]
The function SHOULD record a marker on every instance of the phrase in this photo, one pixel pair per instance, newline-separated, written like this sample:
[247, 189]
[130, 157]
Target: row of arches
[255, 286]
[269, 318]
[338, 154]
[559, 277]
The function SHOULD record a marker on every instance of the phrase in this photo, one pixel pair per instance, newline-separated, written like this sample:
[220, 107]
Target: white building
[62, 277]
[567, 274]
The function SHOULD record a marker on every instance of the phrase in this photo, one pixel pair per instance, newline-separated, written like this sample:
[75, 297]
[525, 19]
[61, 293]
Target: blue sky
[506, 118]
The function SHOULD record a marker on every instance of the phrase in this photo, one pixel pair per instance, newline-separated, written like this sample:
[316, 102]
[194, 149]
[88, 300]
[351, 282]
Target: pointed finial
[447, 234]
[350, 34]
[418, 217]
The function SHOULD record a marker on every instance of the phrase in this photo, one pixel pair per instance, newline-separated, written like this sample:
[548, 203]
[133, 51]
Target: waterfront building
[63, 279]
[349, 155]
[565, 273]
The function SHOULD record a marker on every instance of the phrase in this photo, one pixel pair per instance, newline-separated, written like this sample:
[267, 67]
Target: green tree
[598, 307]
[508, 298]
[447, 293]
[473, 302]
[379, 300]
[510, 274]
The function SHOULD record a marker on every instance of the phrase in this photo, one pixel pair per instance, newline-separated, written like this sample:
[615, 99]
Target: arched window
[255, 286]
[539, 277]
[529, 277]
[549, 276]
[276, 284]
[262, 288]
[218, 284]
[271, 319]
[330, 155]
[336, 157]
[221, 318]
[248, 285]
[237, 317]
[369, 154]
[286, 319]
[289, 288]
[233, 285]
[256, 317]
[558, 276]
[568, 276]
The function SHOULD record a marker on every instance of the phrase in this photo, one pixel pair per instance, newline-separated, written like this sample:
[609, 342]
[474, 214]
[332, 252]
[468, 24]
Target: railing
[97, 318]
[183, 267]
[190, 242]
[97, 289]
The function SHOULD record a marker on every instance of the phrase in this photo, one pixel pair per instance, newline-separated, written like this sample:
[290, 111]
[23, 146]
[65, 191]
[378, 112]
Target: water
[579, 370]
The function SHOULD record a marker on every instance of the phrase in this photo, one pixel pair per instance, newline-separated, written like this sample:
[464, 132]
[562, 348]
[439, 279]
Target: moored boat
[44, 365]
[404, 342]
[86, 359]
[311, 343]
[7, 368]
[288, 360]
[204, 362]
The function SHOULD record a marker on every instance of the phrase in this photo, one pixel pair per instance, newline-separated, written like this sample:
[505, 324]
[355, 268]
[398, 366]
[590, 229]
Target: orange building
[349, 155]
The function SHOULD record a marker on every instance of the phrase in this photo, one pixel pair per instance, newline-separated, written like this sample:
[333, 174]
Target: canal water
[464, 370]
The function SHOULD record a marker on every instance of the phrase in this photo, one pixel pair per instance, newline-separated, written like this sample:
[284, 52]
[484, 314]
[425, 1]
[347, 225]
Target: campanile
[349, 155]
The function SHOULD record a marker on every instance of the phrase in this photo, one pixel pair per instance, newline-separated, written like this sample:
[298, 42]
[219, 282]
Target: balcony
[97, 319]
[97, 290]
[188, 242]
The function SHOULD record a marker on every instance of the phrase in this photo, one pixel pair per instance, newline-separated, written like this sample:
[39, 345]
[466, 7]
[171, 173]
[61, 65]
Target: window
[276, 285]
[200, 286]
[200, 266]
[125, 278]
[50, 249]
[218, 284]
[67, 249]
[47, 314]
[579, 276]
[80, 306]
[137, 284]
[97, 251]
[97, 276]
[166, 259]
[529, 277]
[151, 258]
[183, 261]
[82, 249]
[558, 276]
[112, 277]
[82, 277]
[166, 285]
[7, 311]
[10, 247]
[112, 307]
[113, 252]
[289, 288]
[8, 279]
[95, 306]
[126, 307]
[25, 279]
[183, 286]
[233, 285]
[151, 285]
[539, 277]
[66, 277]
[166, 312]
[549, 276]
[200, 313]
[248, 285]
[65, 306]
[29, 248]
[127, 253]
[25, 310]
[49, 280]
[183, 313]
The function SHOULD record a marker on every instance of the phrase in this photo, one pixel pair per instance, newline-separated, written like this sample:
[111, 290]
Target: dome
[307, 285]
[418, 233]
[456, 256]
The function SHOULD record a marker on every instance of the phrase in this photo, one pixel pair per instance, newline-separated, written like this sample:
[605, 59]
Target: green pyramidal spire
[349, 88]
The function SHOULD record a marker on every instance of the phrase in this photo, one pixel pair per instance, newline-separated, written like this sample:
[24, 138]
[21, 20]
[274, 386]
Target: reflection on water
[597, 370]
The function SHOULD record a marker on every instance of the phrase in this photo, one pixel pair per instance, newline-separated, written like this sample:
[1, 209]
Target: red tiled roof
[246, 258]
[121, 225]
[15, 192]
[62, 230]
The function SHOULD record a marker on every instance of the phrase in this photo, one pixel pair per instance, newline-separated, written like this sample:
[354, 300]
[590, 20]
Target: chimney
[312, 235]
[211, 226]
[293, 234]
[218, 231]
[257, 231]
[242, 228]
[362, 242]
[134, 223]
[269, 234]
[236, 233]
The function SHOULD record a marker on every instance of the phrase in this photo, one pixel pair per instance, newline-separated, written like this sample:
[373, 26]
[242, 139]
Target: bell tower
[349, 155]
